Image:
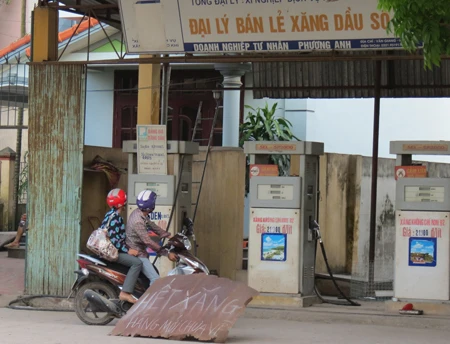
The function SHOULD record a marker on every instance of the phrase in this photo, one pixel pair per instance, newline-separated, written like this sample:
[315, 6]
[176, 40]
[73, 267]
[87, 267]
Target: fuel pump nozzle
[315, 229]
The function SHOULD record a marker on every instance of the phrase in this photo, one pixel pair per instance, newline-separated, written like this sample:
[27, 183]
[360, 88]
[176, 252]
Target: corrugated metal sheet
[349, 79]
[56, 136]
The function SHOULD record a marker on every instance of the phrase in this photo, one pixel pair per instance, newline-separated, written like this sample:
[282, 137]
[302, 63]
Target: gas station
[282, 244]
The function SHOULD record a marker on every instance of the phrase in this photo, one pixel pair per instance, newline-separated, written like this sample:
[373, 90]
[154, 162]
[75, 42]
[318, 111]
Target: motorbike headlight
[85, 271]
[187, 244]
[195, 264]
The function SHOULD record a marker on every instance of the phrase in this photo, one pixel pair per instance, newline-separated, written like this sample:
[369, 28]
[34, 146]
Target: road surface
[37, 327]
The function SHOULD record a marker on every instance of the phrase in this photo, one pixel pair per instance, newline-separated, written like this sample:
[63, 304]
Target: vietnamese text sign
[160, 216]
[422, 255]
[277, 147]
[283, 25]
[430, 147]
[152, 149]
[410, 172]
[261, 170]
[274, 239]
[176, 307]
[255, 25]
[144, 29]
[273, 223]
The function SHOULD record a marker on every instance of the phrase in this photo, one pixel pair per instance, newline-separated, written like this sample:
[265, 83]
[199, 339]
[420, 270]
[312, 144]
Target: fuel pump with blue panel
[422, 237]
[281, 258]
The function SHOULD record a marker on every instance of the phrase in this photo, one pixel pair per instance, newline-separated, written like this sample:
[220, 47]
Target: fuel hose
[349, 302]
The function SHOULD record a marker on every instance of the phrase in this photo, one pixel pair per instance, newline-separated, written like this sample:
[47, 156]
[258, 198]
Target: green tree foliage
[421, 21]
[261, 124]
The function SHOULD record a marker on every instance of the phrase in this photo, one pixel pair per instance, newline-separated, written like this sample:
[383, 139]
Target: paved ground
[18, 327]
[12, 275]
[319, 324]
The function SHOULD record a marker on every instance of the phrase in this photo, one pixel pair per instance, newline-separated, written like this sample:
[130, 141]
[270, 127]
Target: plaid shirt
[137, 235]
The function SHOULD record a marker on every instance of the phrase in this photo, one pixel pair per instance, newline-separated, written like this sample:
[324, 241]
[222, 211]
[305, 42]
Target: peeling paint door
[56, 138]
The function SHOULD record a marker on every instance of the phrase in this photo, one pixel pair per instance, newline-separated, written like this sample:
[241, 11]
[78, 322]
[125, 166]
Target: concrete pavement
[18, 327]
[12, 274]
[370, 313]
[12, 278]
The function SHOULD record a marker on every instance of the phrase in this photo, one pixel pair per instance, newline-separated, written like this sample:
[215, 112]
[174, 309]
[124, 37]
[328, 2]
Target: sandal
[127, 297]
[12, 245]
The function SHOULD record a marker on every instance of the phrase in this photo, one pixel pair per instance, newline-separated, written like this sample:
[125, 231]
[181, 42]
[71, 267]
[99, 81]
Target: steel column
[373, 196]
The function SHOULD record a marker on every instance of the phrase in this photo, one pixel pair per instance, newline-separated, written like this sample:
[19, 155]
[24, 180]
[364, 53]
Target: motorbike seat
[122, 269]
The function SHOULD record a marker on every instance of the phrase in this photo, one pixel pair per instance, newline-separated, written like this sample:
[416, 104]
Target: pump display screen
[422, 193]
[159, 188]
[275, 192]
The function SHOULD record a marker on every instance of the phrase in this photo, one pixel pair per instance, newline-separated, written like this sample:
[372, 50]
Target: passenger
[20, 229]
[114, 223]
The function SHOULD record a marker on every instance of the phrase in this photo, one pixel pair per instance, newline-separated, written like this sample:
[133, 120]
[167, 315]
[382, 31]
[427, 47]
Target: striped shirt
[137, 236]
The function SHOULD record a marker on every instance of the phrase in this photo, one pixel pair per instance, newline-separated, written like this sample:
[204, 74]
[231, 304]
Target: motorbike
[99, 281]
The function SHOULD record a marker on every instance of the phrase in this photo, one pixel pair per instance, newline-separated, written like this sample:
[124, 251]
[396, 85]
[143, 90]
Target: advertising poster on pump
[422, 255]
[282, 25]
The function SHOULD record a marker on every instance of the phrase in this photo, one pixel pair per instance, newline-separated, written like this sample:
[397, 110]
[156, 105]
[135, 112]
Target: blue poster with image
[422, 252]
[273, 247]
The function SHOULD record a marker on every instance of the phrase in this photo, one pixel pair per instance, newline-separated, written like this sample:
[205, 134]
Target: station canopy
[312, 49]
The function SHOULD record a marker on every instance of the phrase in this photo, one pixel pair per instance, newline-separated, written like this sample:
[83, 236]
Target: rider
[117, 199]
[137, 235]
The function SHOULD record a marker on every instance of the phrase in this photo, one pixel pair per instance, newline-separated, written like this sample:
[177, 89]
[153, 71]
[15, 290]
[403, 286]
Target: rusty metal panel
[198, 306]
[349, 79]
[56, 137]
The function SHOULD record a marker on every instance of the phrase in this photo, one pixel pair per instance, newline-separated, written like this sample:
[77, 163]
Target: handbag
[100, 244]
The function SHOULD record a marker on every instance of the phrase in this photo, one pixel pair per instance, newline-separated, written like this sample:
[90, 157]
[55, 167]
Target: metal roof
[314, 75]
[350, 79]
[106, 11]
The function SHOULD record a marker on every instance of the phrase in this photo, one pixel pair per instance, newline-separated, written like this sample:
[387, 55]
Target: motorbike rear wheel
[82, 305]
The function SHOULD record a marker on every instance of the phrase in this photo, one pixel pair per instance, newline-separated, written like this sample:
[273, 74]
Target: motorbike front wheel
[82, 307]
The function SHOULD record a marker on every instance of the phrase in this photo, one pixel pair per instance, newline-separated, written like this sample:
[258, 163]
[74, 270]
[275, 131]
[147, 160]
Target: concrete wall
[10, 17]
[337, 210]
[220, 213]
[9, 22]
[385, 221]
[344, 214]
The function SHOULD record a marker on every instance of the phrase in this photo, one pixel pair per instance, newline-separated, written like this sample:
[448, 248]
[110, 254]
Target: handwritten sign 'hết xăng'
[198, 306]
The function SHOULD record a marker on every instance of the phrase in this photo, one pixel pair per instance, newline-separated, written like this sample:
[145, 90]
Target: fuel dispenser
[422, 240]
[281, 256]
[179, 163]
